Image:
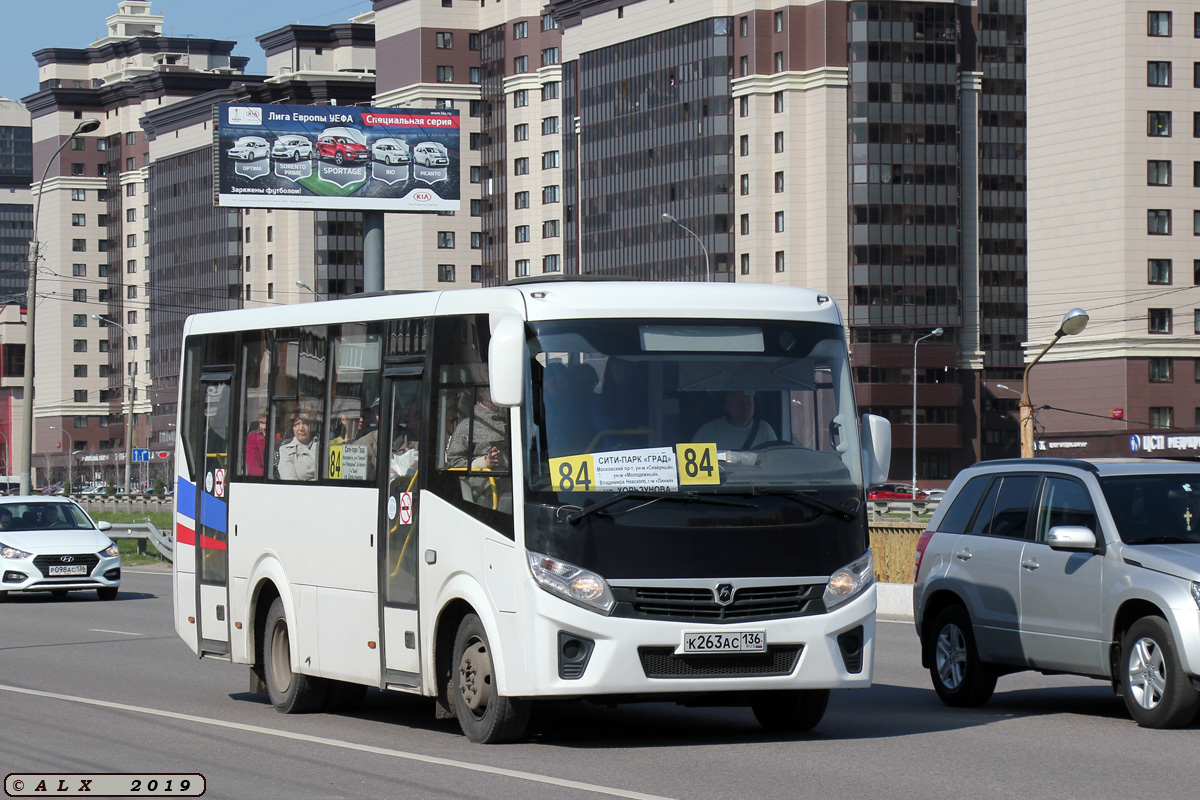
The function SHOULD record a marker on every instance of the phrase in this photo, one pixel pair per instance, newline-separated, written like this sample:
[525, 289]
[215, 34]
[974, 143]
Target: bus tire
[485, 715]
[291, 693]
[790, 711]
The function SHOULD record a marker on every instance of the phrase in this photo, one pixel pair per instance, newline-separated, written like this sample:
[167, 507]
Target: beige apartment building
[1113, 176]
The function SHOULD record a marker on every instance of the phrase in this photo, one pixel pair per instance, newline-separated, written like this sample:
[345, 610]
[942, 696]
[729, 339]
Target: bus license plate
[73, 569]
[724, 642]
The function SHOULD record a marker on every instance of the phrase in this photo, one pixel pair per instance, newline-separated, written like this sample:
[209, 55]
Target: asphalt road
[89, 686]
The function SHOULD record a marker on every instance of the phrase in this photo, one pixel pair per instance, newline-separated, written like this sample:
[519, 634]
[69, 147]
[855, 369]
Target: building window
[102, 245]
[1196, 223]
[521, 64]
[1158, 73]
[1160, 416]
[79, 320]
[1158, 221]
[442, 103]
[79, 270]
[521, 132]
[520, 30]
[474, 41]
[779, 22]
[744, 224]
[744, 66]
[1159, 320]
[445, 273]
[1197, 331]
[521, 166]
[778, 182]
[78, 144]
[445, 40]
[521, 200]
[445, 74]
[550, 159]
[473, 76]
[779, 262]
[80, 371]
[550, 90]
[1158, 123]
[1159, 23]
[1196, 69]
[131, 292]
[779, 61]
[81, 395]
[1160, 271]
[779, 222]
[81, 194]
[744, 24]
[476, 208]
[521, 98]
[474, 140]
[476, 240]
[131, 240]
[78, 245]
[445, 240]
[549, 125]
[779, 102]
[77, 169]
[1160, 370]
[80, 345]
[477, 273]
[778, 141]
[550, 229]
[549, 56]
[474, 174]
[550, 194]
[1158, 173]
[745, 258]
[744, 106]
[131, 163]
[744, 145]
[522, 233]
[102, 345]
[79, 295]
[551, 263]
[522, 267]
[744, 184]
[78, 220]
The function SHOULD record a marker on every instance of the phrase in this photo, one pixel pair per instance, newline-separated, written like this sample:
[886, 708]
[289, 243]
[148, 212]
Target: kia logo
[724, 593]
[422, 197]
[67, 559]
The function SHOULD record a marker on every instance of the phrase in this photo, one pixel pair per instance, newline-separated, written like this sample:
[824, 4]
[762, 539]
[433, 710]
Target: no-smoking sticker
[406, 505]
[219, 488]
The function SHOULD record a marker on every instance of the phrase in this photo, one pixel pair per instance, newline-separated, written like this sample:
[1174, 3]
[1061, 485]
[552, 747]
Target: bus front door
[212, 534]
[400, 549]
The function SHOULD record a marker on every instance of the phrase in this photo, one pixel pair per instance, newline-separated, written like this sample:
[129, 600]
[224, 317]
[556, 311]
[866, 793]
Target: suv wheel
[959, 677]
[1157, 692]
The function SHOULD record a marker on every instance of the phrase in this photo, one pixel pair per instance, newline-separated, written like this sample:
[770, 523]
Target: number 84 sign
[650, 469]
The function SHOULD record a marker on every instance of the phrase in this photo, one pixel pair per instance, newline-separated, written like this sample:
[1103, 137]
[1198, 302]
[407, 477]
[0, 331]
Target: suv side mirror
[1071, 537]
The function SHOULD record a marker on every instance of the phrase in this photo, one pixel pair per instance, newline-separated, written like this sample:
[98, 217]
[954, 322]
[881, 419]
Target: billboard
[336, 157]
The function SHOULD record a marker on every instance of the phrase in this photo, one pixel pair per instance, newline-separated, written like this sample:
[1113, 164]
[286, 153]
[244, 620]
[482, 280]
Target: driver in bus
[739, 428]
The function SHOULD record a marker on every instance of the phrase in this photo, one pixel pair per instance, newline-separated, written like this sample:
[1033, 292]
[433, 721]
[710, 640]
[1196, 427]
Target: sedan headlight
[849, 581]
[571, 583]
[12, 552]
[111, 551]
[1196, 593]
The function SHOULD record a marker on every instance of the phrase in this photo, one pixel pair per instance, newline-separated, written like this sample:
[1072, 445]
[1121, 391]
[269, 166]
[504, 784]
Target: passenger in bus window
[485, 431]
[256, 446]
[740, 428]
[300, 455]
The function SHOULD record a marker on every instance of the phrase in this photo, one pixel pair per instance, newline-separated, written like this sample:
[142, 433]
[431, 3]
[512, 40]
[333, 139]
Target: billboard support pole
[372, 251]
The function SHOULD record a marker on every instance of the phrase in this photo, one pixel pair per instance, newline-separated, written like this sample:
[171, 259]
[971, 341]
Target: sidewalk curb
[895, 600]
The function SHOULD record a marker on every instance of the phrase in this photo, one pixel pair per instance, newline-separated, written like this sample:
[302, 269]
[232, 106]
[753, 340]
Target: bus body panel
[185, 597]
[239, 611]
[397, 655]
[347, 631]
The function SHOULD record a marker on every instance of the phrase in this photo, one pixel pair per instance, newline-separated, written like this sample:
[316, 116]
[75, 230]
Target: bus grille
[697, 604]
[89, 560]
[662, 662]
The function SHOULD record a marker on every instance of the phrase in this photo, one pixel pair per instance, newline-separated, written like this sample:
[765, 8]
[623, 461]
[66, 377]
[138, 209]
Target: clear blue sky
[77, 23]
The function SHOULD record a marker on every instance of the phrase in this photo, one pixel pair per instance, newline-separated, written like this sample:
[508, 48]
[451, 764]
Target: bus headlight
[571, 583]
[849, 581]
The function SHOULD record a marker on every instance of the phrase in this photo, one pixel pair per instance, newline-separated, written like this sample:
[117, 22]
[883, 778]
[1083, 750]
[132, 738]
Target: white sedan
[51, 545]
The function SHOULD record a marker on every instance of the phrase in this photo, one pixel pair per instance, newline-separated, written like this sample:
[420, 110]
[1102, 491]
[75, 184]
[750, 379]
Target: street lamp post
[707, 269]
[306, 287]
[1073, 322]
[128, 410]
[70, 456]
[35, 254]
[934, 332]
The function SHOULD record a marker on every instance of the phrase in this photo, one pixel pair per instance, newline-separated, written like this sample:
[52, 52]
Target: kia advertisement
[337, 157]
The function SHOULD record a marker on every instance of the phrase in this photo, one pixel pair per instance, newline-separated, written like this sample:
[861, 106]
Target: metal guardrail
[879, 509]
[144, 532]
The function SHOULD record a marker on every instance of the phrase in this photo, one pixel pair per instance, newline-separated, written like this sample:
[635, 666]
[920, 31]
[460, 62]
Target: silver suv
[1066, 566]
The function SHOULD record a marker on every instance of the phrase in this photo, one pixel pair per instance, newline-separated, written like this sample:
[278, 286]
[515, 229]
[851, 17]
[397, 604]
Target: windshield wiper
[690, 497]
[805, 497]
[1166, 540]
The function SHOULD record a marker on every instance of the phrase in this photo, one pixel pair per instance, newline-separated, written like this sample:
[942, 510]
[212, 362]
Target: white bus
[545, 490]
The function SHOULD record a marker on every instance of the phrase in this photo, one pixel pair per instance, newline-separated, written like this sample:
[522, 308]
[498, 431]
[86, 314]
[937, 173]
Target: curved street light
[305, 286]
[707, 270]
[1073, 322]
[35, 255]
[934, 332]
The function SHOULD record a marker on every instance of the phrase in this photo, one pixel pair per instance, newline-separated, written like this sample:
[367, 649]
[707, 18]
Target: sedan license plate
[70, 569]
[723, 642]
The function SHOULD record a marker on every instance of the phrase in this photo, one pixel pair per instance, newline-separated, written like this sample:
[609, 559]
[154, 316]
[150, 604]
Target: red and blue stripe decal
[214, 515]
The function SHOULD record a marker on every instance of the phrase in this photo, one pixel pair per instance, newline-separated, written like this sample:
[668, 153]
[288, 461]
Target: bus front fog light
[849, 581]
[571, 583]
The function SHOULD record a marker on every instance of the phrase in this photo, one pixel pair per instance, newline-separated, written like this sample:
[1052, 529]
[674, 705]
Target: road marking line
[533, 777]
[123, 633]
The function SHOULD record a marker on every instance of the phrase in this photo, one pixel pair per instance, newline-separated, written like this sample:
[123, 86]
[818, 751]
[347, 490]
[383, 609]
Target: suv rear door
[1061, 591]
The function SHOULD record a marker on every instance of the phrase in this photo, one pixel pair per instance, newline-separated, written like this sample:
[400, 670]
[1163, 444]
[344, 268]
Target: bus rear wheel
[291, 692]
[485, 715]
[790, 711]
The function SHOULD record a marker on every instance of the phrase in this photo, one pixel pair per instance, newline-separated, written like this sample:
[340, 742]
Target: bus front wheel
[485, 715]
[291, 692]
[791, 711]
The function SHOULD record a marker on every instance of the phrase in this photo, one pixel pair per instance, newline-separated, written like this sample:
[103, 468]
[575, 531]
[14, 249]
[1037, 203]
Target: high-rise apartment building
[1114, 172]
[16, 231]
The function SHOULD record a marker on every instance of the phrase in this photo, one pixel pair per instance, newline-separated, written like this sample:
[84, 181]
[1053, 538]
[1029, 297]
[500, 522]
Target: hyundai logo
[724, 593]
[66, 559]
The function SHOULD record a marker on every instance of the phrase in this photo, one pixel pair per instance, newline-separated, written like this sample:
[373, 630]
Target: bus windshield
[696, 406]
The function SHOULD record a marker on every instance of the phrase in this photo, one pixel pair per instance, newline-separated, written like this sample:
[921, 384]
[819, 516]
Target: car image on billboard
[338, 158]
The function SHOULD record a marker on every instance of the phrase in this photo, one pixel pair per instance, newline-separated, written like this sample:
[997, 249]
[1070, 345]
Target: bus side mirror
[506, 360]
[876, 449]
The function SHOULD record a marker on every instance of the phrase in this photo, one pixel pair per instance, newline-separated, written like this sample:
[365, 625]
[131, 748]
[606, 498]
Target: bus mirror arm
[506, 358]
[876, 449]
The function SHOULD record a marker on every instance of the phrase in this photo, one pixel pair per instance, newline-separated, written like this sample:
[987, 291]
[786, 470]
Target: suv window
[983, 517]
[1065, 502]
[1011, 515]
[959, 514]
